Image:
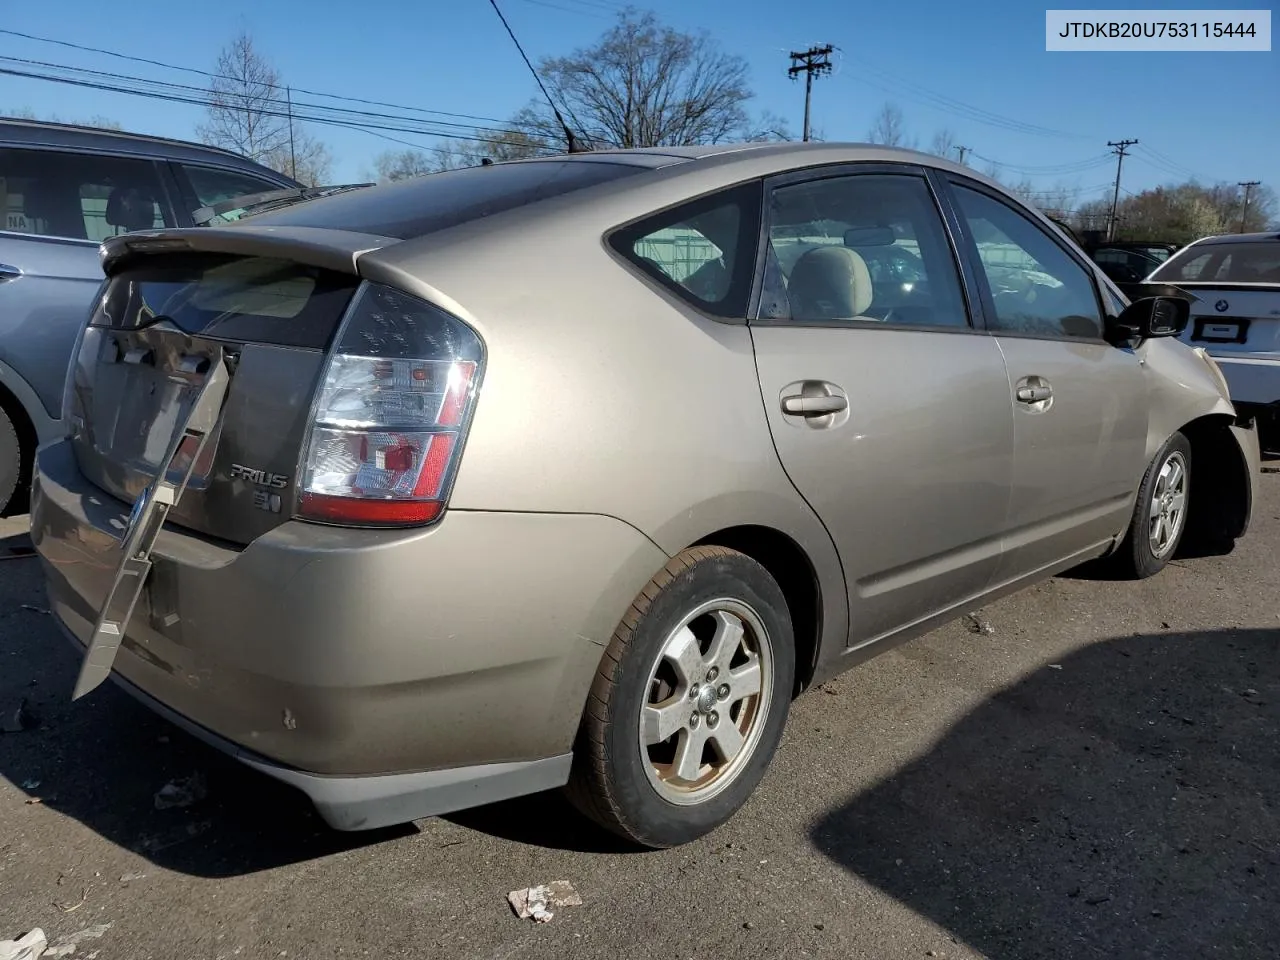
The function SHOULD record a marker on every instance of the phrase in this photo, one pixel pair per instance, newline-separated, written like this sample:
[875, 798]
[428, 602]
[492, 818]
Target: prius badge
[259, 477]
[262, 499]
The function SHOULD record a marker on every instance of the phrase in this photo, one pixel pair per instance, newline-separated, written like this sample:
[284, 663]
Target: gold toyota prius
[575, 471]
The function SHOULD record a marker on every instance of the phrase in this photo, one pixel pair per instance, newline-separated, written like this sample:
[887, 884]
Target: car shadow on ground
[1122, 803]
[102, 759]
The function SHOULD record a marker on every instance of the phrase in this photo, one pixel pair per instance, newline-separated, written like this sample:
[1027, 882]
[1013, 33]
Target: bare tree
[771, 128]
[644, 84]
[888, 128]
[97, 120]
[250, 113]
[944, 144]
[495, 145]
[403, 165]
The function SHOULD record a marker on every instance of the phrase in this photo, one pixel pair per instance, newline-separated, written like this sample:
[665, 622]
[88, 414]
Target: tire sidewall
[1145, 562]
[10, 460]
[647, 814]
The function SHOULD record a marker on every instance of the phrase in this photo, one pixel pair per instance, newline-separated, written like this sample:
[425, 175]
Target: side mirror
[1159, 316]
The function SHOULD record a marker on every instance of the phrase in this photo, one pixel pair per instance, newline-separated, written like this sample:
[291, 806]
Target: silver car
[1235, 279]
[64, 189]
[575, 471]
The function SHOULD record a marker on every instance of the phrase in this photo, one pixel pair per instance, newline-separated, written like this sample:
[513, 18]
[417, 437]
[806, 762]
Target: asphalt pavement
[1095, 775]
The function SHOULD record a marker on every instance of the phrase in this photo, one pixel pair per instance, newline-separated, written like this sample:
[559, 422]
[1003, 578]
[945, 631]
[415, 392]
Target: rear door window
[210, 185]
[866, 247]
[79, 196]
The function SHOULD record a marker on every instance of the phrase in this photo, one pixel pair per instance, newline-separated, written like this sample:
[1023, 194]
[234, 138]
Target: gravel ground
[1095, 778]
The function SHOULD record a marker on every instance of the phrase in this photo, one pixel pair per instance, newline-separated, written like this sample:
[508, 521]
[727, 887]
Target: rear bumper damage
[389, 675]
[1252, 380]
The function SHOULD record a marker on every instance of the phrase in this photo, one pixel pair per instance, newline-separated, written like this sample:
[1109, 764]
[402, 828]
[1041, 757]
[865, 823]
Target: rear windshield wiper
[253, 203]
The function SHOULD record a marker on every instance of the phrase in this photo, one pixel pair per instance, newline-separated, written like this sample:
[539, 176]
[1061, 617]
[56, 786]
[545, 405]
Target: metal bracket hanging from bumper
[146, 520]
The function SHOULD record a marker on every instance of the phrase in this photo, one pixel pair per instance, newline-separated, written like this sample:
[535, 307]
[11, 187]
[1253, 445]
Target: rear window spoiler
[329, 249]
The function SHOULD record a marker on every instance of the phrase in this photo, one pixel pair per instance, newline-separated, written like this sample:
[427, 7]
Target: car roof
[41, 133]
[1260, 237]
[787, 152]
[625, 182]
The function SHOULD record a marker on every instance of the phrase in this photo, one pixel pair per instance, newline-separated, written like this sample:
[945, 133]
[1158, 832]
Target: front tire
[10, 461]
[1160, 512]
[688, 704]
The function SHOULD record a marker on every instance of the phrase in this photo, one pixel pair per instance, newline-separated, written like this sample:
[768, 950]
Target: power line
[1061, 169]
[815, 60]
[1174, 165]
[959, 107]
[346, 113]
[207, 101]
[1119, 147]
[219, 76]
[575, 12]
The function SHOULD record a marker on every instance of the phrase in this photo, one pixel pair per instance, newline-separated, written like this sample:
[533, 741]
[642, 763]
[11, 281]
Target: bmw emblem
[1221, 306]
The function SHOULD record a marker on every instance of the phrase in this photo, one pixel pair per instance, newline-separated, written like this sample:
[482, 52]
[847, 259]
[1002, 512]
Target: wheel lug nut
[723, 691]
[712, 674]
[694, 721]
[713, 718]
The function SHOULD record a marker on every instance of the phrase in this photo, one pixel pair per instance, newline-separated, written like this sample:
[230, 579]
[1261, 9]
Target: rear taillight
[391, 414]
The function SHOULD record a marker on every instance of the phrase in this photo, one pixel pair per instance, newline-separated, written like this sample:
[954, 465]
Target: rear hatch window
[238, 299]
[1241, 262]
[437, 201]
[157, 327]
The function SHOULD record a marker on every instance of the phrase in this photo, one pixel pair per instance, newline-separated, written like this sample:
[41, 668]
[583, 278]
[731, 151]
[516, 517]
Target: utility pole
[1119, 150]
[814, 60]
[1248, 186]
[293, 160]
[962, 151]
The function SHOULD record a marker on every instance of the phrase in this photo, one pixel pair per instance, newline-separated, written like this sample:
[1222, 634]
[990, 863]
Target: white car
[1236, 317]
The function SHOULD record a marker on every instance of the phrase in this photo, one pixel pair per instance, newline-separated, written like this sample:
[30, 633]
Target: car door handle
[798, 405]
[9, 273]
[1034, 394]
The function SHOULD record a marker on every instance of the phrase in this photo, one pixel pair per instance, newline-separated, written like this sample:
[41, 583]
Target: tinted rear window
[1257, 262]
[437, 201]
[241, 299]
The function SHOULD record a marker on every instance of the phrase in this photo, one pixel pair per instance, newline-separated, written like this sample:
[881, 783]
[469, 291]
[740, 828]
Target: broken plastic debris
[28, 947]
[34, 609]
[978, 625]
[127, 877]
[182, 792]
[30, 784]
[535, 903]
[1055, 666]
[66, 946]
[19, 719]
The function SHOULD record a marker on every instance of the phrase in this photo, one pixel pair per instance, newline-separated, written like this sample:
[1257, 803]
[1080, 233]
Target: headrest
[829, 283]
[131, 207]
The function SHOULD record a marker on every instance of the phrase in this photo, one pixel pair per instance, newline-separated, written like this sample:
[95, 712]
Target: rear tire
[1159, 513]
[10, 461]
[688, 704]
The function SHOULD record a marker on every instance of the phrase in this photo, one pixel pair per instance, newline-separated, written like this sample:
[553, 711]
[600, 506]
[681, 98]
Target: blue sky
[1212, 114]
